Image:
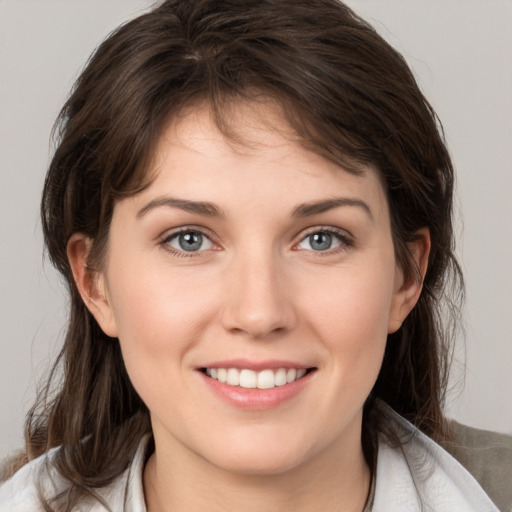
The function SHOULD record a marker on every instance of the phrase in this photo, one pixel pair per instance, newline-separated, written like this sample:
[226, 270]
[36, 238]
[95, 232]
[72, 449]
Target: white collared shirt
[419, 475]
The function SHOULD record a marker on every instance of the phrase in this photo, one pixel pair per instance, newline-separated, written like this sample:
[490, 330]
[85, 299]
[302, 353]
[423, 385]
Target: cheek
[351, 315]
[353, 307]
[156, 305]
[160, 317]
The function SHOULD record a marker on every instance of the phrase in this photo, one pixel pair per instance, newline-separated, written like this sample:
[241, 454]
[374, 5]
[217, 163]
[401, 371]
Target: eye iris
[190, 241]
[320, 241]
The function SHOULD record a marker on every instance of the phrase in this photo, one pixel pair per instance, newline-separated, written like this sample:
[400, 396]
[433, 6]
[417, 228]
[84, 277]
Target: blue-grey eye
[190, 241]
[320, 241]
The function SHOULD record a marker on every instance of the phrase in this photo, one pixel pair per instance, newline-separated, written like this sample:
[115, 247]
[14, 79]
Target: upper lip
[248, 364]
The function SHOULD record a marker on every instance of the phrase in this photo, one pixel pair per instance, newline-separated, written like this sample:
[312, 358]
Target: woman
[251, 204]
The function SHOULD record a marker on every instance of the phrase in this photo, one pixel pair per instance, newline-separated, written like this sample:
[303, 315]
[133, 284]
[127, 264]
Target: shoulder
[38, 481]
[413, 472]
[21, 492]
[488, 457]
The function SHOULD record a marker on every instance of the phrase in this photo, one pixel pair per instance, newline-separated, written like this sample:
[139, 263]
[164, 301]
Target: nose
[258, 298]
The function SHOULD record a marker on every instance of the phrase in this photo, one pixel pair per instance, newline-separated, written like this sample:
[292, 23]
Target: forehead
[254, 150]
[244, 126]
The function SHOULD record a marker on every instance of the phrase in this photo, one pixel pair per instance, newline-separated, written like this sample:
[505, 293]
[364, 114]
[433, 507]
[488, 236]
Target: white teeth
[291, 375]
[266, 379]
[233, 378]
[248, 379]
[280, 378]
[222, 374]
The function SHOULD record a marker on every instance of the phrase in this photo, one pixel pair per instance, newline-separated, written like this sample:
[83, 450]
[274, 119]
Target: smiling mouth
[250, 379]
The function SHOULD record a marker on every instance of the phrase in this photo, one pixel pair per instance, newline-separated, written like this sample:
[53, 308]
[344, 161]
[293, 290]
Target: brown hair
[346, 93]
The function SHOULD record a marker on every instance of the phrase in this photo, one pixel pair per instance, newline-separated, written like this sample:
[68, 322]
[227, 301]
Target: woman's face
[254, 263]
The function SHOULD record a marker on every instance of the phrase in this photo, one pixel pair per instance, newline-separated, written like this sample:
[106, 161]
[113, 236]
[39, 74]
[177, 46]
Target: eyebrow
[317, 207]
[211, 210]
[199, 207]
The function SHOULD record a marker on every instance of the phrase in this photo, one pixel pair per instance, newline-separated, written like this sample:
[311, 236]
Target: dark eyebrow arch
[199, 207]
[316, 207]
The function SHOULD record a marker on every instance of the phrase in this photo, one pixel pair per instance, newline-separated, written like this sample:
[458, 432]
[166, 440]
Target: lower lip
[256, 399]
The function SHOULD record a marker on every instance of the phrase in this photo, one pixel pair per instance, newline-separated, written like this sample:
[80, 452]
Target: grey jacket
[488, 457]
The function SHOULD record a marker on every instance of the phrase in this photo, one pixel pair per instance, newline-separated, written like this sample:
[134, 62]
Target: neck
[335, 480]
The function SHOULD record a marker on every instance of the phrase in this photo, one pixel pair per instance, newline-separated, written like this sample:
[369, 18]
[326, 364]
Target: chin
[259, 458]
[261, 465]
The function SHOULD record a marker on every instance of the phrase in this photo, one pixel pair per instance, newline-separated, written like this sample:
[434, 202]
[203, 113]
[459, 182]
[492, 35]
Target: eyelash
[346, 241]
[165, 242]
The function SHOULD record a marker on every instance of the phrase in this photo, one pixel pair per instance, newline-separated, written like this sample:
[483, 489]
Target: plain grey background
[460, 51]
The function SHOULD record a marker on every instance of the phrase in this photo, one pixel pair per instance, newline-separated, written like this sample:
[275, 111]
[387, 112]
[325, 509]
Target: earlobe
[91, 283]
[408, 290]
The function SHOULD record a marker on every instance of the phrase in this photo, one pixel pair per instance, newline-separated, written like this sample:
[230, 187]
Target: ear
[91, 283]
[407, 291]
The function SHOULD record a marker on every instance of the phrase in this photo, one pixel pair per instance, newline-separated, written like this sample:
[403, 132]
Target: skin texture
[256, 290]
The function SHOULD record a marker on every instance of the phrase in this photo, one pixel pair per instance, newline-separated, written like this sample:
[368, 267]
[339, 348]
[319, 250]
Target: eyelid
[169, 232]
[326, 228]
[346, 238]
[163, 240]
